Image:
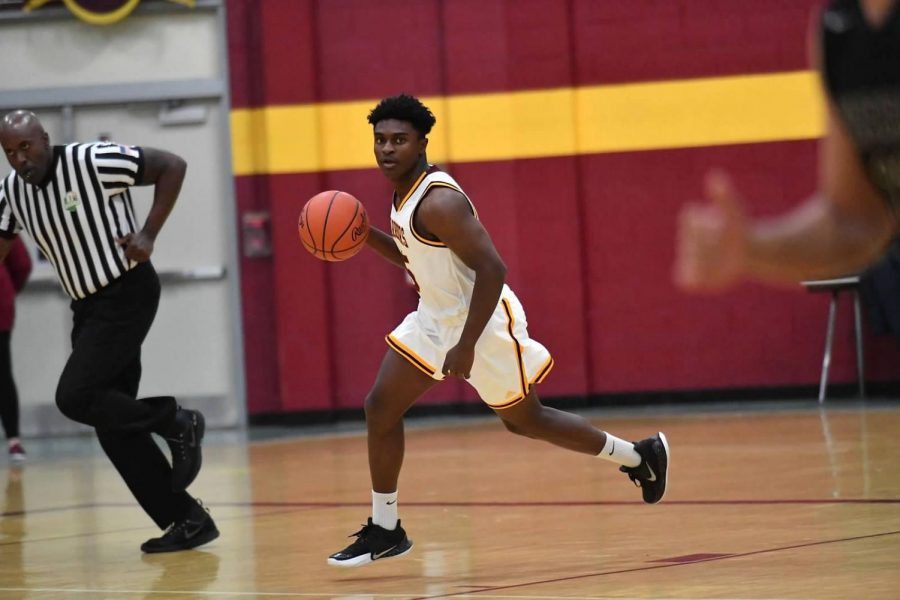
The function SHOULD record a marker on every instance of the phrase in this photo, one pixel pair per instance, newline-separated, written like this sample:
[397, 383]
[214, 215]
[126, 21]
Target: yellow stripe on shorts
[523, 377]
[416, 360]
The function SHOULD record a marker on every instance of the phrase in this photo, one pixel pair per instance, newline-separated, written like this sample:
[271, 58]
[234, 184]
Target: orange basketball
[333, 225]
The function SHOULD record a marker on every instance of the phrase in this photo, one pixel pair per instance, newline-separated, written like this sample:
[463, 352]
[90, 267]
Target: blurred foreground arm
[840, 230]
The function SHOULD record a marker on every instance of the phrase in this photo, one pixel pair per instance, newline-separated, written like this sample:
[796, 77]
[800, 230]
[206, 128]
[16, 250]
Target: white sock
[384, 510]
[620, 452]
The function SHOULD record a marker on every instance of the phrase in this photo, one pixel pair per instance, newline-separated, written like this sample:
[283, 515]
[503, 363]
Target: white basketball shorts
[507, 361]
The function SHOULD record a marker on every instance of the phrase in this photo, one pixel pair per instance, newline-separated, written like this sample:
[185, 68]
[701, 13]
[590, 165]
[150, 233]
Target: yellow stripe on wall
[528, 124]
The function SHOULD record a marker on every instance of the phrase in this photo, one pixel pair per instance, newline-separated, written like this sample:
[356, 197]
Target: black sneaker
[184, 439]
[373, 542]
[653, 471]
[195, 530]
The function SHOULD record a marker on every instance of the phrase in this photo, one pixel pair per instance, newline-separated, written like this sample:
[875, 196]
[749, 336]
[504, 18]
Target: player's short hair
[404, 107]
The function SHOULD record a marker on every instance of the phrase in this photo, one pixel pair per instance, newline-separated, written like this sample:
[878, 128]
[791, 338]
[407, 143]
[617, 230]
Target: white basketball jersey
[443, 281]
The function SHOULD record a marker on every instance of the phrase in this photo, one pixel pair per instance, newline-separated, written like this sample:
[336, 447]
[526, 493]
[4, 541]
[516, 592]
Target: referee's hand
[138, 246]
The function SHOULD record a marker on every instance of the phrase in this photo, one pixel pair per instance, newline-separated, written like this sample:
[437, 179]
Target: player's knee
[379, 418]
[522, 424]
[511, 427]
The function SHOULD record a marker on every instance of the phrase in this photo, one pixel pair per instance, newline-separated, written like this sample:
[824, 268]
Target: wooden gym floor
[773, 501]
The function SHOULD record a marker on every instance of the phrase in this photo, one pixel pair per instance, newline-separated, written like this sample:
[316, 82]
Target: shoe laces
[179, 443]
[182, 524]
[632, 475]
[172, 528]
[363, 532]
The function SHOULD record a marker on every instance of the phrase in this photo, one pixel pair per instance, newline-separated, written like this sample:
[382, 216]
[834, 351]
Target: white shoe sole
[665, 443]
[364, 559]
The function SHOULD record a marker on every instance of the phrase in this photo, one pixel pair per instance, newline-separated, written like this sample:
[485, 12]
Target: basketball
[333, 225]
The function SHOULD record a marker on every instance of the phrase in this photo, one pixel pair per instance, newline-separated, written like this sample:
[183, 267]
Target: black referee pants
[9, 397]
[99, 385]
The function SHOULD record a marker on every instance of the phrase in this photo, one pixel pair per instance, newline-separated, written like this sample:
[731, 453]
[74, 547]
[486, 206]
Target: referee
[74, 201]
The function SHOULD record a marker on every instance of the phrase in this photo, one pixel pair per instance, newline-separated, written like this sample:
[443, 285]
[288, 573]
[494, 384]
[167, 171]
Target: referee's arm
[165, 171]
[5, 245]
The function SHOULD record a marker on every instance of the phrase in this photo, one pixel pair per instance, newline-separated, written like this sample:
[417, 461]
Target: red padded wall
[588, 239]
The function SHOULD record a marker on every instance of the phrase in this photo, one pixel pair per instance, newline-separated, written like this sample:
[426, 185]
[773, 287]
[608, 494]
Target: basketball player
[850, 221]
[468, 324]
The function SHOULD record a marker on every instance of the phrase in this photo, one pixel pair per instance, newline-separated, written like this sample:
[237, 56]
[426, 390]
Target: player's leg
[397, 386]
[508, 365]
[532, 419]
[645, 462]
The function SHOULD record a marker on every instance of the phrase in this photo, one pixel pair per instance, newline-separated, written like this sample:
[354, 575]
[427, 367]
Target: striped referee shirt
[77, 213]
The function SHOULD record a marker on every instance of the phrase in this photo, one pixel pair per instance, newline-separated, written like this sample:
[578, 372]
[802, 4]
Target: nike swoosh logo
[652, 474]
[189, 534]
[376, 556]
[389, 503]
[613, 449]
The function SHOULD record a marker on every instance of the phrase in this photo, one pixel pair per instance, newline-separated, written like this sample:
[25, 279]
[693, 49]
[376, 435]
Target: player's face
[398, 148]
[28, 151]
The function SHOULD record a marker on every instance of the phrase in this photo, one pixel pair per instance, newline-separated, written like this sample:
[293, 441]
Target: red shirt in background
[14, 272]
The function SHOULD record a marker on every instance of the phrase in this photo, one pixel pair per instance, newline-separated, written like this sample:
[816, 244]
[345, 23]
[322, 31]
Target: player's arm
[165, 171]
[446, 214]
[384, 245]
[842, 229]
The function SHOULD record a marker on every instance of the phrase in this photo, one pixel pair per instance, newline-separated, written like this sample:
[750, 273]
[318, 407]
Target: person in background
[849, 222]
[14, 272]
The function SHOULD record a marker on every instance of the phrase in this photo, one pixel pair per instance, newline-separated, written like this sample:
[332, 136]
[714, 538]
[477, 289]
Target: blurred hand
[138, 246]
[712, 239]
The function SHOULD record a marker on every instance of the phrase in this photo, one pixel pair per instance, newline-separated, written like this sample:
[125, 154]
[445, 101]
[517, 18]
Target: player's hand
[138, 246]
[712, 239]
[459, 361]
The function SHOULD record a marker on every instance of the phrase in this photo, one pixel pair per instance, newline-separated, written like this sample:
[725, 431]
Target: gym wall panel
[644, 40]
[649, 335]
[258, 308]
[498, 45]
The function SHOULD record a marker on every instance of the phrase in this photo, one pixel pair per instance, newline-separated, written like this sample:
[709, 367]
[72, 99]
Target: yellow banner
[715, 111]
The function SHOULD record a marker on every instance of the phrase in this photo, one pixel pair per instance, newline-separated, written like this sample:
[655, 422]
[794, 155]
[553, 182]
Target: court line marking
[332, 595]
[482, 504]
[118, 531]
[660, 566]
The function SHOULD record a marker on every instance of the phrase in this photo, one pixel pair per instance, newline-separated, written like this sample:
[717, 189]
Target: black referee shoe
[184, 438]
[195, 530]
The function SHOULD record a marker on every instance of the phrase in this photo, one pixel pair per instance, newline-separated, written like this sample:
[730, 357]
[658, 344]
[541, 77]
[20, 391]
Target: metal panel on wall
[156, 80]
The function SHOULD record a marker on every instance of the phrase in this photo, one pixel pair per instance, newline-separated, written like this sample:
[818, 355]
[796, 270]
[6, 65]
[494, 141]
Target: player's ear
[423, 145]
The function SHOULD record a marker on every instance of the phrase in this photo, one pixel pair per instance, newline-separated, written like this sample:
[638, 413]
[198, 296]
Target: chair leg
[829, 336]
[860, 350]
